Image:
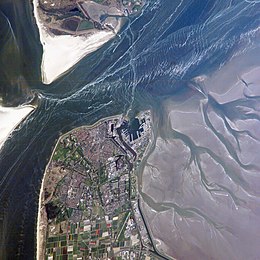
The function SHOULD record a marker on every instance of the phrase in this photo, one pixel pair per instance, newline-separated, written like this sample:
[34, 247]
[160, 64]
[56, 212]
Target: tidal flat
[200, 192]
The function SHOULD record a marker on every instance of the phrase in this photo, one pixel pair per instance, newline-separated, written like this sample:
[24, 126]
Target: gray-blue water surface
[155, 56]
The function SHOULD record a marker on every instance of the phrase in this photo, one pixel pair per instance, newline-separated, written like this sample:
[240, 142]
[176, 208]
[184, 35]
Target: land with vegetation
[88, 207]
[71, 29]
[76, 17]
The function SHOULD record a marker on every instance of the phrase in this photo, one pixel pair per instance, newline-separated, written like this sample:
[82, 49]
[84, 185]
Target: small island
[88, 205]
[71, 29]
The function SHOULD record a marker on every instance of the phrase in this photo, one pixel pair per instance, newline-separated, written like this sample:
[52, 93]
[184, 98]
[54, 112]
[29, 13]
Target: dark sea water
[155, 57]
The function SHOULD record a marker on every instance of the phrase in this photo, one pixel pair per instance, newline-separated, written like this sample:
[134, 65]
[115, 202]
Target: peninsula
[88, 204]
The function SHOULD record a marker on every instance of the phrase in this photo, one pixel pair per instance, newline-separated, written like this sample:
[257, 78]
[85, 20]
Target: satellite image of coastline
[129, 129]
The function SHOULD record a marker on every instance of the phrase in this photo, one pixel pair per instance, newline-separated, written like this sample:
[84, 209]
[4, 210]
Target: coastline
[10, 118]
[42, 218]
[41, 215]
[61, 53]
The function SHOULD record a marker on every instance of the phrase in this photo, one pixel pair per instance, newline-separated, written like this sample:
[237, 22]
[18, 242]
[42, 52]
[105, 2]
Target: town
[83, 17]
[91, 193]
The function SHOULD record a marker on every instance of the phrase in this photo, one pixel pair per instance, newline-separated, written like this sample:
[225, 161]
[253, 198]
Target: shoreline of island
[61, 53]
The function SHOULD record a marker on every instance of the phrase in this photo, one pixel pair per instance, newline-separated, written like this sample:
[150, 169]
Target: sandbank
[10, 117]
[62, 52]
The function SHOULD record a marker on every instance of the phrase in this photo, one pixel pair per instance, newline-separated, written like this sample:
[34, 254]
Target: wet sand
[201, 182]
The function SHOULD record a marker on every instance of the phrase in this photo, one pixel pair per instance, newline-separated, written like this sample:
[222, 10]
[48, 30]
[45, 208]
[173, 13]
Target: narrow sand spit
[41, 224]
[10, 117]
[61, 52]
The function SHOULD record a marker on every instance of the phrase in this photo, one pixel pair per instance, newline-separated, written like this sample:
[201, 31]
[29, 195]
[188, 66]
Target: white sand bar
[10, 117]
[61, 52]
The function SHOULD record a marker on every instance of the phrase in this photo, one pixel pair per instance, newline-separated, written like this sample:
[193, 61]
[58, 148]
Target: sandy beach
[41, 224]
[62, 52]
[10, 117]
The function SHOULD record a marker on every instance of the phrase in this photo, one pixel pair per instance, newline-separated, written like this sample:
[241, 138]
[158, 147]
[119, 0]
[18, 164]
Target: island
[71, 29]
[88, 204]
